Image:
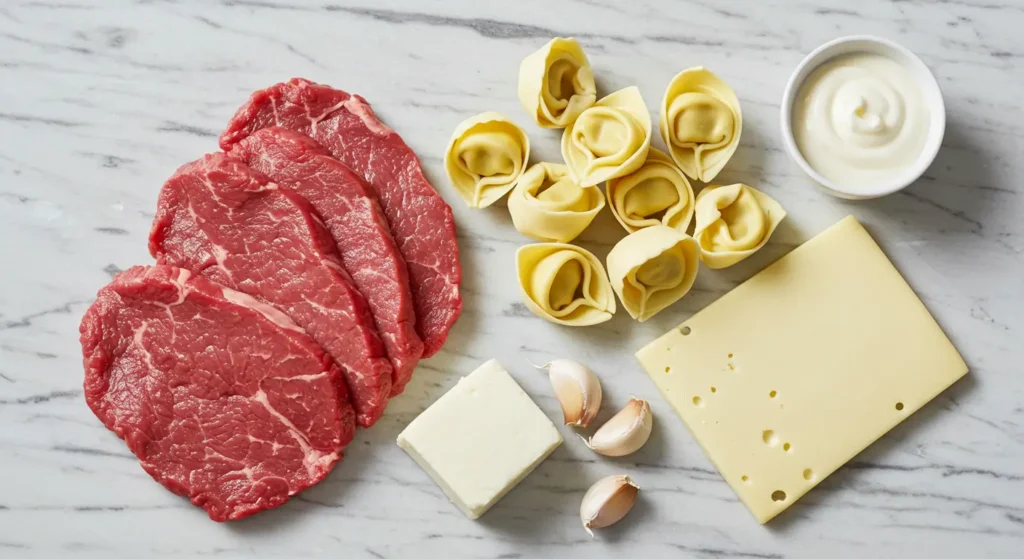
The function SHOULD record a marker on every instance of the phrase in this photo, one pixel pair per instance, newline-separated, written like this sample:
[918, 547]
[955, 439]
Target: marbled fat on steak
[223, 399]
[351, 213]
[226, 222]
[420, 220]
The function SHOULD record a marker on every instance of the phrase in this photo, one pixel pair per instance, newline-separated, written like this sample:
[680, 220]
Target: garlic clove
[625, 432]
[607, 502]
[578, 391]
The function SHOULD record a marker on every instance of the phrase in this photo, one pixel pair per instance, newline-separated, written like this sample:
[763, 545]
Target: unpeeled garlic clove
[625, 432]
[607, 502]
[577, 390]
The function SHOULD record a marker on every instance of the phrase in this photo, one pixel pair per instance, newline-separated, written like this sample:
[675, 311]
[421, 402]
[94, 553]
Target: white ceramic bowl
[910, 61]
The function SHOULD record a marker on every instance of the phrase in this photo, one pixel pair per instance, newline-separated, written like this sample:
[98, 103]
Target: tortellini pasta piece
[485, 157]
[700, 122]
[655, 194]
[653, 268]
[556, 83]
[733, 222]
[608, 140]
[547, 205]
[564, 284]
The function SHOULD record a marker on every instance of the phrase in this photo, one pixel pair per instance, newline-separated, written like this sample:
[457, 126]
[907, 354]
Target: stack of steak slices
[301, 274]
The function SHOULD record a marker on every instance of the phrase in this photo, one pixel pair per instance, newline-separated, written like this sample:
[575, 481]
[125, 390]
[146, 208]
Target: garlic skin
[625, 432]
[607, 502]
[578, 391]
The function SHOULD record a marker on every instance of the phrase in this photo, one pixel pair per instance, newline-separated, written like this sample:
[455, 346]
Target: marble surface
[101, 101]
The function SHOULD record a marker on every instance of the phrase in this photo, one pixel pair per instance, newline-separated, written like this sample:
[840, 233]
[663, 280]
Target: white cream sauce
[860, 120]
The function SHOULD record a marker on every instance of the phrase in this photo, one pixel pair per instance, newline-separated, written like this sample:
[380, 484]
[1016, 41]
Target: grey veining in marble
[101, 101]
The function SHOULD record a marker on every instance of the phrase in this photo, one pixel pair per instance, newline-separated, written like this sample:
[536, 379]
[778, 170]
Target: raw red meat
[219, 218]
[223, 399]
[351, 213]
[421, 222]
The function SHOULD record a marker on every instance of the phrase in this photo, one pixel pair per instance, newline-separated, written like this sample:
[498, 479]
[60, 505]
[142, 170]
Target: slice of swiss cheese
[794, 372]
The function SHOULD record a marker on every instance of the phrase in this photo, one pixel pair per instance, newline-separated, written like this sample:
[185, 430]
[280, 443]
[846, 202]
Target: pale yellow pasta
[608, 140]
[485, 157]
[564, 284]
[733, 222]
[547, 205]
[701, 122]
[556, 83]
[655, 194]
[652, 268]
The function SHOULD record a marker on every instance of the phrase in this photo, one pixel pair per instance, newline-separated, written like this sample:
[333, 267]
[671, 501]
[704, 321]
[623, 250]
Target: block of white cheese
[480, 439]
[794, 372]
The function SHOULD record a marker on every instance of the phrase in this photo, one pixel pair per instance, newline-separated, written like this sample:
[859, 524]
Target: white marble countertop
[101, 101]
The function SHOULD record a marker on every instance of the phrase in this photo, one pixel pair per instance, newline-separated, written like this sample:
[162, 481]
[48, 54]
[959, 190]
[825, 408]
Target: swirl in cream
[556, 83]
[652, 268]
[655, 194]
[608, 140]
[860, 120]
[485, 157]
[701, 122]
[547, 205]
[564, 284]
[733, 222]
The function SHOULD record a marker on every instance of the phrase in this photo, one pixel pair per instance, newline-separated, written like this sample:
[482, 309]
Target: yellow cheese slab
[794, 372]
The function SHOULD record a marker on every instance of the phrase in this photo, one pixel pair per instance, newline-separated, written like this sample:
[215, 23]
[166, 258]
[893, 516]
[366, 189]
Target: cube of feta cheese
[480, 439]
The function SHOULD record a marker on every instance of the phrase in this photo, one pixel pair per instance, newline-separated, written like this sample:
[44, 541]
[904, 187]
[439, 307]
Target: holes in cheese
[556, 83]
[808, 474]
[733, 222]
[778, 496]
[826, 291]
[548, 205]
[655, 194]
[652, 268]
[610, 139]
[697, 401]
[786, 447]
[485, 157]
[701, 122]
[769, 438]
[564, 284]
[899, 406]
[773, 394]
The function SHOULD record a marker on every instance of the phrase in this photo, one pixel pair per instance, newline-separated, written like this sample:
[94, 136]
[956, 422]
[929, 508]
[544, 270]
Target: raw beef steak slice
[219, 218]
[223, 399]
[421, 222]
[351, 213]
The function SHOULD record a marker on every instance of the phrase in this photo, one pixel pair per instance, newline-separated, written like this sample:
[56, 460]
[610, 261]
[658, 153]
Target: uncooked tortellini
[485, 158]
[564, 284]
[556, 83]
[733, 222]
[547, 205]
[608, 140]
[652, 268]
[700, 122]
[655, 194]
